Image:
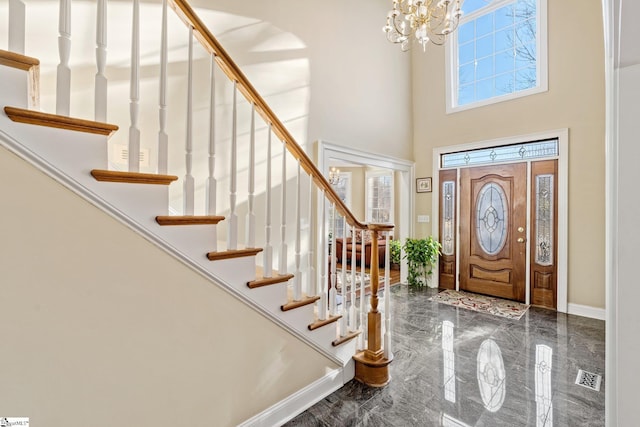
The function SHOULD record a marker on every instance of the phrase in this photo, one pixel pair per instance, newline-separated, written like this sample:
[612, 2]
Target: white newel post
[232, 235]
[189, 181]
[268, 247]
[63, 88]
[100, 108]
[212, 184]
[17, 21]
[134, 92]
[297, 281]
[163, 137]
[387, 300]
[251, 216]
[353, 319]
[283, 224]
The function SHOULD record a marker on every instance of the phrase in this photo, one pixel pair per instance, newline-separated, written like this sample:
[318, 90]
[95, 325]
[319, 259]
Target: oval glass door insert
[491, 218]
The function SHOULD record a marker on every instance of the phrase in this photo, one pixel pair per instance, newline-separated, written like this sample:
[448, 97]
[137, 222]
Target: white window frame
[451, 60]
[373, 174]
[346, 176]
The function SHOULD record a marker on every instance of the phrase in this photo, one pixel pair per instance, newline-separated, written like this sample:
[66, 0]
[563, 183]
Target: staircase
[309, 301]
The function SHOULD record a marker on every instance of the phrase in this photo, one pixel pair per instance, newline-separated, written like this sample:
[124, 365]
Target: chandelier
[422, 20]
[334, 176]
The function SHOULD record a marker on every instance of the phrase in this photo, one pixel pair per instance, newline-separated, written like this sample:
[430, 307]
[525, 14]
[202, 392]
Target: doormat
[481, 303]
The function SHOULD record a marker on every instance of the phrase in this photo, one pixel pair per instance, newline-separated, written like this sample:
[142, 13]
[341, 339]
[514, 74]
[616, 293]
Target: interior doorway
[500, 212]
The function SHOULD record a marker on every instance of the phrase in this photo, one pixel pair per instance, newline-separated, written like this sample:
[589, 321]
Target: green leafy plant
[421, 255]
[395, 250]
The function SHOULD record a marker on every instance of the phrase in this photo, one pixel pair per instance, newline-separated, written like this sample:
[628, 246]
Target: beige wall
[101, 328]
[575, 100]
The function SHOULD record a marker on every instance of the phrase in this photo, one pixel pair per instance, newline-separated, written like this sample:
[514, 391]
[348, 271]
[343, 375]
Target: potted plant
[395, 254]
[421, 255]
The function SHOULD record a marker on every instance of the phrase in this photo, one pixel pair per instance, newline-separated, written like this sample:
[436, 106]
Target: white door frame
[329, 152]
[563, 201]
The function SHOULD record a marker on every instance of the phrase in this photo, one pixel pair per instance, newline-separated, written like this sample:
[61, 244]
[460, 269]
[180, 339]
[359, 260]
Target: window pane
[505, 62]
[525, 55]
[484, 25]
[504, 84]
[484, 46]
[504, 17]
[466, 54]
[469, 6]
[466, 32]
[466, 94]
[526, 31]
[485, 68]
[526, 78]
[504, 39]
[467, 74]
[484, 89]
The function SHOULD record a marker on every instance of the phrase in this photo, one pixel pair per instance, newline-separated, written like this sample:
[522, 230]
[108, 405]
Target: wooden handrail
[233, 72]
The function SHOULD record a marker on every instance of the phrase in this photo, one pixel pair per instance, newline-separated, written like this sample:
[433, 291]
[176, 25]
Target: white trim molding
[298, 402]
[586, 311]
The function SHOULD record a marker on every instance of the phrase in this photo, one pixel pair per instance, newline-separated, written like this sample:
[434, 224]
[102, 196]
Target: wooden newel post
[372, 368]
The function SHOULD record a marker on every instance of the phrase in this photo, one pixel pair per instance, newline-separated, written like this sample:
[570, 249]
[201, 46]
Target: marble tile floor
[456, 368]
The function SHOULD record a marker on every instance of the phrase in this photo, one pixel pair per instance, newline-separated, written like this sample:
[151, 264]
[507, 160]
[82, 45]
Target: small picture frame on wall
[423, 185]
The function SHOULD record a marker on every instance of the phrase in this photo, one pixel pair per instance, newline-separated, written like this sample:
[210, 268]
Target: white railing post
[343, 276]
[268, 247]
[134, 92]
[100, 106]
[387, 300]
[322, 284]
[63, 88]
[297, 281]
[312, 279]
[333, 273]
[163, 137]
[17, 27]
[283, 225]
[212, 184]
[189, 181]
[353, 320]
[251, 216]
[232, 234]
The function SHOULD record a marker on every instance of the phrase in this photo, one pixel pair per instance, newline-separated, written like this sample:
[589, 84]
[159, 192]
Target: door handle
[520, 240]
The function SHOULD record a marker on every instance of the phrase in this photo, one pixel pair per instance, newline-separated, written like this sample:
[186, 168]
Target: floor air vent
[589, 380]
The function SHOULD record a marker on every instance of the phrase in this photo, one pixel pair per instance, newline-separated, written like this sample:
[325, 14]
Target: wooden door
[493, 203]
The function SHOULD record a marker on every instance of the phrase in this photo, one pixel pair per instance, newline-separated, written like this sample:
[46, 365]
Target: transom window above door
[499, 52]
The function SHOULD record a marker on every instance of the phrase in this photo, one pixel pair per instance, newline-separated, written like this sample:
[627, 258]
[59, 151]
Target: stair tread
[132, 177]
[344, 339]
[266, 281]
[188, 219]
[320, 323]
[23, 115]
[17, 60]
[233, 253]
[296, 304]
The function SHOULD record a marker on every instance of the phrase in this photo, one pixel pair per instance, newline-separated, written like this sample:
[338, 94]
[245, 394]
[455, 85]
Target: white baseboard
[587, 311]
[295, 404]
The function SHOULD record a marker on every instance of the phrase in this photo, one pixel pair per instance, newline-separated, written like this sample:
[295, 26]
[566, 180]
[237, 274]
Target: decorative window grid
[448, 213]
[505, 153]
[544, 219]
[492, 218]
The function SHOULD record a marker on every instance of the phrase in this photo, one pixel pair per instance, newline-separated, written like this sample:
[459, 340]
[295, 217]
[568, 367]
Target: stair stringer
[68, 157]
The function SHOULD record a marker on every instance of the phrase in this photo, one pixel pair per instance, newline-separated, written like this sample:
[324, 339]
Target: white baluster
[134, 92]
[268, 247]
[63, 89]
[232, 234]
[322, 285]
[334, 276]
[283, 225]
[364, 301]
[251, 216]
[387, 300]
[189, 181]
[312, 279]
[343, 275]
[163, 137]
[212, 184]
[100, 110]
[297, 281]
[16, 26]
[353, 319]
